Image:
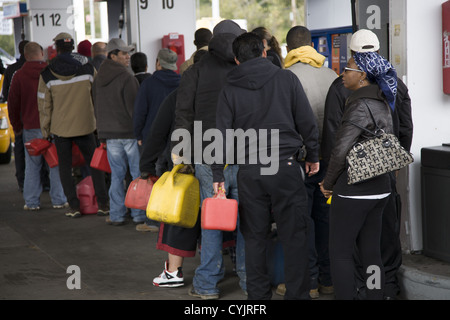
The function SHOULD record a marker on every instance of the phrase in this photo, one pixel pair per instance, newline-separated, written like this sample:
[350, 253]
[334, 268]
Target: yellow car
[7, 137]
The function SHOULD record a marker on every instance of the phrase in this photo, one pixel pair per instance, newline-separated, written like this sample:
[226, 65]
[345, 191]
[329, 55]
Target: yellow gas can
[175, 199]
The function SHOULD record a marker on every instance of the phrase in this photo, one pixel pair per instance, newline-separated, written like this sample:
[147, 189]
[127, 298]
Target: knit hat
[84, 48]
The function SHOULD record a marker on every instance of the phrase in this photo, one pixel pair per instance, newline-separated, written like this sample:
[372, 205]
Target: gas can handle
[221, 194]
[174, 171]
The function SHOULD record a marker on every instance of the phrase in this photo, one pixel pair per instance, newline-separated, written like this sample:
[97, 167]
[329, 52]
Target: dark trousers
[19, 159]
[285, 196]
[318, 209]
[87, 145]
[391, 248]
[355, 222]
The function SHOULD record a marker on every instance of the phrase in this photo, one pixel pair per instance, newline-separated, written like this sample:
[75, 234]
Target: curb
[418, 285]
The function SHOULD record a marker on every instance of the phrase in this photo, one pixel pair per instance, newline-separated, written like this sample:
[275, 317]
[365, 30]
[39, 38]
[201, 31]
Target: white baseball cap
[364, 41]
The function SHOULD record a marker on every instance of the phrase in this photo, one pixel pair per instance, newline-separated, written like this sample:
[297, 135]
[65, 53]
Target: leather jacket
[357, 111]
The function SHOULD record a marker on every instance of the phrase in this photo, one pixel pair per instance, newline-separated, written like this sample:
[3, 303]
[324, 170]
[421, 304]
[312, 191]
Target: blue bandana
[379, 70]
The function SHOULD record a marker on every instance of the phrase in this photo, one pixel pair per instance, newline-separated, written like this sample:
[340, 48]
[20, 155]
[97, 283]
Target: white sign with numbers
[48, 18]
[151, 20]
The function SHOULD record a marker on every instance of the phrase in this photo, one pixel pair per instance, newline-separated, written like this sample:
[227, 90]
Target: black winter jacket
[356, 111]
[260, 95]
[201, 84]
[157, 144]
[334, 110]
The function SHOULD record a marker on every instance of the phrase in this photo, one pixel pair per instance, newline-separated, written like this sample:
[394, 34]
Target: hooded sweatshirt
[64, 96]
[22, 102]
[201, 84]
[316, 79]
[260, 95]
[305, 54]
[151, 94]
[114, 91]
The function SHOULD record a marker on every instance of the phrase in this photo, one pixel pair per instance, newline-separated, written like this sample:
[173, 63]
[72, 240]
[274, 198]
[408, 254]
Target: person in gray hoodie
[114, 91]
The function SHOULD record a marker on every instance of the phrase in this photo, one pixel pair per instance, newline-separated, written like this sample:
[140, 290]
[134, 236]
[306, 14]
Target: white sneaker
[169, 279]
[61, 206]
[25, 207]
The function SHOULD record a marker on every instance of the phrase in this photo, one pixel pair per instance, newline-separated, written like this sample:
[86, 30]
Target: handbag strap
[377, 128]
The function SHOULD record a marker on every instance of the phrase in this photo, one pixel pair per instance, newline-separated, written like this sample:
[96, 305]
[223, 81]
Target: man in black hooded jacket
[260, 96]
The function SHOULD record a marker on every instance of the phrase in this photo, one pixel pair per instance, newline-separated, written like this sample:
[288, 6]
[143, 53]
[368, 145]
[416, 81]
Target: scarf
[379, 70]
[305, 54]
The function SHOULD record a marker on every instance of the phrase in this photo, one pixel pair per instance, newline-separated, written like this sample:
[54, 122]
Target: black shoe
[73, 213]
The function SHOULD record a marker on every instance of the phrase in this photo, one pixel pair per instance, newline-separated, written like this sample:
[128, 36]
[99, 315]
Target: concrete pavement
[119, 263]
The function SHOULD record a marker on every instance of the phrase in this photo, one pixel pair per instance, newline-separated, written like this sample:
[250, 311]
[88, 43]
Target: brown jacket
[64, 97]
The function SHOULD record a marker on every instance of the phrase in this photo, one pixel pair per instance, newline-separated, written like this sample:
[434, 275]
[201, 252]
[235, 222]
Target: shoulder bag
[377, 155]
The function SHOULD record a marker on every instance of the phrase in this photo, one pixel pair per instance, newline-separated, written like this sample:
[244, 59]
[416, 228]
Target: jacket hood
[168, 77]
[220, 45]
[252, 74]
[109, 71]
[67, 64]
[305, 54]
[32, 69]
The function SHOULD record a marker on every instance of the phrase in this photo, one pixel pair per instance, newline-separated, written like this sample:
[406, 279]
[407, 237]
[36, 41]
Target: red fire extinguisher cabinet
[175, 42]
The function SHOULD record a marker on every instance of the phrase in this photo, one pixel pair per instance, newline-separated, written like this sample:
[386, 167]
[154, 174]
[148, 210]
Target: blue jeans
[211, 269]
[122, 153]
[32, 184]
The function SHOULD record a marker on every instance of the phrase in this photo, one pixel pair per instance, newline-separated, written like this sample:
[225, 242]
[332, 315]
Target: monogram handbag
[377, 155]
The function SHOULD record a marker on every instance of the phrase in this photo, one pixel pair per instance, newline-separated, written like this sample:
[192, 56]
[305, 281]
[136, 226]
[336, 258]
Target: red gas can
[77, 156]
[138, 193]
[86, 195]
[51, 156]
[36, 147]
[100, 159]
[219, 213]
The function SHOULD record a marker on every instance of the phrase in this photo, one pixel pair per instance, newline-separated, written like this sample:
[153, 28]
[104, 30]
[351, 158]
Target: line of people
[224, 96]
[235, 79]
[74, 99]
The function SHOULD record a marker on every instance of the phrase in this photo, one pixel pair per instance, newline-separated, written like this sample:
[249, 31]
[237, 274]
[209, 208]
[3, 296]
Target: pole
[354, 25]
